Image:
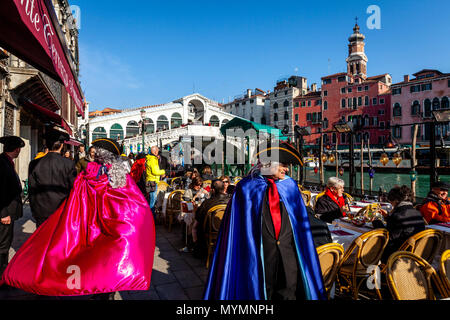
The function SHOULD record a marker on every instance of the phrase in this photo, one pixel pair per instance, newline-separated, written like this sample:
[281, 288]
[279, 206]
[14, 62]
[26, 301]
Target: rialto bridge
[193, 115]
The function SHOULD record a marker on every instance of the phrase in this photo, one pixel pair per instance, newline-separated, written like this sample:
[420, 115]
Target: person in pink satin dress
[100, 240]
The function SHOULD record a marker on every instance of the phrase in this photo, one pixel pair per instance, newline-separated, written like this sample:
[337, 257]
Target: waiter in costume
[100, 240]
[265, 249]
[10, 195]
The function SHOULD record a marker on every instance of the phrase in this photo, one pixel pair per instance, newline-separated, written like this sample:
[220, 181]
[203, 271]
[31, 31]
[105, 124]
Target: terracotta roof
[377, 77]
[426, 71]
[335, 75]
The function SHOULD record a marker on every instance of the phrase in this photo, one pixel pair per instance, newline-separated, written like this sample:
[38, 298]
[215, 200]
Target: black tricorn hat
[55, 136]
[282, 152]
[109, 145]
[441, 185]
[12, 143]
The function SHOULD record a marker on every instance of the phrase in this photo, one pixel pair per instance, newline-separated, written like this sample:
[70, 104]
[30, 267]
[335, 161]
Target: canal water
[384, 180]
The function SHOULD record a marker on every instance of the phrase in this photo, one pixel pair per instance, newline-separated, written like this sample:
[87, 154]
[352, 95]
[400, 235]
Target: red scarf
[339, 201]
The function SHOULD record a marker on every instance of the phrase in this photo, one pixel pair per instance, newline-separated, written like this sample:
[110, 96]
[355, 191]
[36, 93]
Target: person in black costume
[11, 208]
[50, 182]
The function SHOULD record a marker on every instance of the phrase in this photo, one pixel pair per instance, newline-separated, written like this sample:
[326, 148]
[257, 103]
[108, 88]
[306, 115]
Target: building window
[381, 112]
[309, 103]
[275, 105]
[325, 93]
[366, 100]
[427, 108]
[366, 88]
[275, 117]
[426, 87]
[308, 117]
[397, 132]
[334, 138]
[286, 103]
[397, 110]
[444, 103]
[326, 81]
[286, 93]
[359, 101]
[343, 135]
[325, 105]
[303, 103]
[343, 90]
[296, 104]
[318, 102]
[343, 103]
[286, 115]
[359, 89]
[355, 101]
[382, 125]
[252, 101]
[415, 88]
[349, 102]
[296, 117]
[349, 90]
[342, 79]
[381, 101]
[436, 104]
[375, 121]
[374, 101]
[396, 91]
[415, 108]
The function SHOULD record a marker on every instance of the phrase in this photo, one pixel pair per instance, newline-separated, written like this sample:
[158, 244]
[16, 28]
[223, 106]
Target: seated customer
[436, 207]
[402, 222]
[195, 192]
[218, 197]
[207, 173]
[333, 203]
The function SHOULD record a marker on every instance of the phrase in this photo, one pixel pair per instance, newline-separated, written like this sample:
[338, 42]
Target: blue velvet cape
[237, 269]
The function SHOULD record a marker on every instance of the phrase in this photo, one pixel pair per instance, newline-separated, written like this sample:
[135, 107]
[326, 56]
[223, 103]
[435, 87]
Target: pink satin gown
[100, 240]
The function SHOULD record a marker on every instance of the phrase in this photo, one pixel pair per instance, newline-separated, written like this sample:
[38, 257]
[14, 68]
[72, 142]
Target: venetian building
[32, 103]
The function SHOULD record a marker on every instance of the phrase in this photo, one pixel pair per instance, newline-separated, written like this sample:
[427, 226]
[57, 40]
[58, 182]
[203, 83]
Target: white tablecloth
[344, 240]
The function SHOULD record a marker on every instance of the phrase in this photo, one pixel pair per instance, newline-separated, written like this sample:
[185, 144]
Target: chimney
[314, 87]
[406, 78]
[249, 93]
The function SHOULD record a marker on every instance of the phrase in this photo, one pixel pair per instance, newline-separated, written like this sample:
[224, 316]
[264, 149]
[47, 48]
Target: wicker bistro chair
[410, 277]
[425, 244]
[173, 207]
[444, 270]
[330, 256]
[306, 196]
[358, 261]
[162, 186]
[211, 225]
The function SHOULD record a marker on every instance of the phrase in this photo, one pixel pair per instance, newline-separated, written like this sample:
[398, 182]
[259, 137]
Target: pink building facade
[413, 101]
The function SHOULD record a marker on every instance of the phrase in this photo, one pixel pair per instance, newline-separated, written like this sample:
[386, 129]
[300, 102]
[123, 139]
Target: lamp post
[143, 129]
[300, 132]
[348, 127]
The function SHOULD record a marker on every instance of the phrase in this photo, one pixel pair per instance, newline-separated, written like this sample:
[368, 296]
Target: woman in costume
[100, 240]
[265, 249]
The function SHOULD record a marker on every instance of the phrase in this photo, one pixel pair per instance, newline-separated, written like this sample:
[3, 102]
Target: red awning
[53, 117]
[73, 142]
[30, 30]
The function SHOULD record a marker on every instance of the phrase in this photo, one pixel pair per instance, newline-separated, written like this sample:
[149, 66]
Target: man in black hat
[10, 195]
[265, 249]
[50, 182]
[436, 206]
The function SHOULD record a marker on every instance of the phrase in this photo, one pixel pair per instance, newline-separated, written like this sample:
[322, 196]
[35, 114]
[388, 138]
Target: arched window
[325, 105]
[150, 126]
[366, 120]
[397, 110]
[224, 122]
[99, 133]
[176, 121]
[275, 105]
[116, 132]
[286, 115]
[436, 104]
[366, 101]
[132, 129]
[444, 103]
[275, 117]
[427, 108]
[286, 103]
[415, 108]
[325, 123]
[334, 138]
[215, 122]
[162, 123]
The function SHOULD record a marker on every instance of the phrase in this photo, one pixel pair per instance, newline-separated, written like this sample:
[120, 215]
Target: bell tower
[357, 59]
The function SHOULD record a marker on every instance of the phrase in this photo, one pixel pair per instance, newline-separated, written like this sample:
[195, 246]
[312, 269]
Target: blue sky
[136, 53]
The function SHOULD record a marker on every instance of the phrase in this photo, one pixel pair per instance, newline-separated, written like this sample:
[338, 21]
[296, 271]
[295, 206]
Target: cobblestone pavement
[176, 275]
